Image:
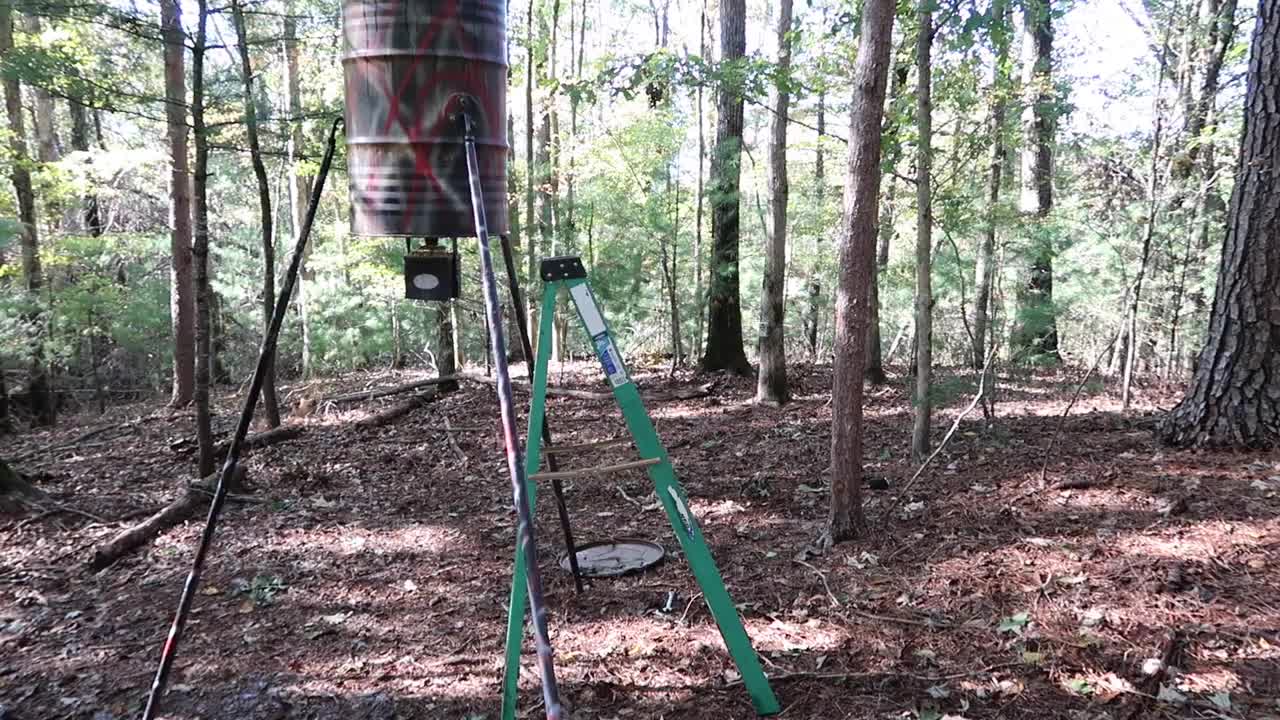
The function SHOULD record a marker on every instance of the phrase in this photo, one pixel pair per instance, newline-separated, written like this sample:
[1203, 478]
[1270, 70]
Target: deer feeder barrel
[409, 67]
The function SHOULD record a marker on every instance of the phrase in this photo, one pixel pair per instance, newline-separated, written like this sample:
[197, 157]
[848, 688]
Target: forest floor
[369, 581]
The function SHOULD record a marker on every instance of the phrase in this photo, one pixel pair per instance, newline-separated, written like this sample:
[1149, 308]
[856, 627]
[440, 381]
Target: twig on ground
[835, 602]
[808, 675]
[630, 499]
[688, 607]
[74, 442]
[453, 444]
[955, 425]
[54, 510]
[1062, 419]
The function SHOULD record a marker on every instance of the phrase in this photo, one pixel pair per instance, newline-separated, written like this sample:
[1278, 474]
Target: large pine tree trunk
[857, 263]
[270, 406]
[924, 236]
[724, 318]
[1037, 332]
[771, 385]
[38, 389]
[181, 302]
[200, 247]
[1234, 397]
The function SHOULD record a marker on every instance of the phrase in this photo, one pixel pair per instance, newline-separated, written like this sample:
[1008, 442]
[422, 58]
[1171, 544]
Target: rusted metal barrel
[409, 66]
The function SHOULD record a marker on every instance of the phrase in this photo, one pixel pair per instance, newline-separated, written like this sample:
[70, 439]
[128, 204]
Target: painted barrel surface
[407, 65]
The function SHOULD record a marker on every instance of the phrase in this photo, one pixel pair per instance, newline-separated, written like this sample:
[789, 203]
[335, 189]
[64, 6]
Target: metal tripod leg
[557, 487]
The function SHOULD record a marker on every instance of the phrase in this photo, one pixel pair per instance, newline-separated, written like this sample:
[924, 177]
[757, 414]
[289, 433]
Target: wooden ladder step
[566, 474]
[597, 445]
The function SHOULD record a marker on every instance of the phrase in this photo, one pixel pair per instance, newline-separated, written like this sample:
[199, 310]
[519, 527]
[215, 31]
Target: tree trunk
[813, 288]
[200, 246]
[1037, 332]
[986, 265]
[771, 384]
[856, 265]
[920, 443]
[884, 236]
[1234, 397]
[532, 71]
[270, 406]
[446, 354]
[1153, 206]
[38, 387]
[724, 325]
[299, 184]
[90, 217]
[181, 302]
[699, 304]
[47, 147]
[670, 251]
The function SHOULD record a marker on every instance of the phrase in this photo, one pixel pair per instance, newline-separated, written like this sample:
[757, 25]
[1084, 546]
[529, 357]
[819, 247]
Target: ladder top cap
[562, 267]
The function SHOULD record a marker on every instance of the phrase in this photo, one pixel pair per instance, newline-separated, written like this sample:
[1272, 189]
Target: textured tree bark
[985, 266]
[43, 409]
[1037, 332]
[447, 355]
[856, 265]
[920, 443]
[771, 383]
[270, 406]
[1234, 396]
[200, 246]
[181, 302]
[724, 312]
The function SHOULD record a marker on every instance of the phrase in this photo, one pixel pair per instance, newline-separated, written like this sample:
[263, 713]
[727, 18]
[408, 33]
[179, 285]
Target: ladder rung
[564, 449]
[565, 474]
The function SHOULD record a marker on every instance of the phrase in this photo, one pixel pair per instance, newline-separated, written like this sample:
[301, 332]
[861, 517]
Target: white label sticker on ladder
[610, 361]
[587, 308]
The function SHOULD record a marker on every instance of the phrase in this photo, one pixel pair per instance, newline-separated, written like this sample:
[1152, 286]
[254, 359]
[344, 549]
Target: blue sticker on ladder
[609, 359]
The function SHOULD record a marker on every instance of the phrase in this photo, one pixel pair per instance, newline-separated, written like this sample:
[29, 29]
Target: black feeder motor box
[432, 273]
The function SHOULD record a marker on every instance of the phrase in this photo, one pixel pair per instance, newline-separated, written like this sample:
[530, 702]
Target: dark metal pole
[515, 460]
[557, 487]
[265, 354]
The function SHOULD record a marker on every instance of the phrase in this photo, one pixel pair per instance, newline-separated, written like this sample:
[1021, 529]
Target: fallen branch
[397, 411]
[260, 440]
[192, 497]
[449, 382]
[955, 425]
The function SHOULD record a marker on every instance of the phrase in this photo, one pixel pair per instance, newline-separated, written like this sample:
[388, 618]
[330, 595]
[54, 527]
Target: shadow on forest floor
[378, 568]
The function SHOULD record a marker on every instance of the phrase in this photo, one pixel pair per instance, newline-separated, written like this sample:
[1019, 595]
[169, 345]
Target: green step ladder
[567, 272]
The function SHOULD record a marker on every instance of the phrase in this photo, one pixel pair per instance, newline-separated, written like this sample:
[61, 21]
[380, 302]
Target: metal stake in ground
[170, 650]
[515, 463]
